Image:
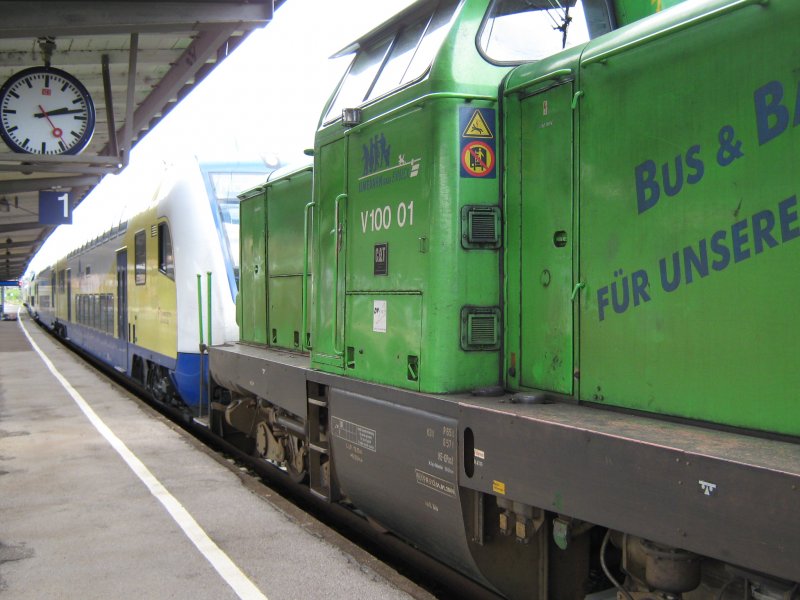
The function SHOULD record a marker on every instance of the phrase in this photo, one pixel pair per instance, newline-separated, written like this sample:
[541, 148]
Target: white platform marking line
[232, 575]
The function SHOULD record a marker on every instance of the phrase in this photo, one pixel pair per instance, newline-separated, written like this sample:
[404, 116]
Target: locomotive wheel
[224, 431]
[217, 423]
[296, 458]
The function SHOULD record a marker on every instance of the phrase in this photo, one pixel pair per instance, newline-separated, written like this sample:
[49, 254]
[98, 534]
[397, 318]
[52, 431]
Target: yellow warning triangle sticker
[477, 127]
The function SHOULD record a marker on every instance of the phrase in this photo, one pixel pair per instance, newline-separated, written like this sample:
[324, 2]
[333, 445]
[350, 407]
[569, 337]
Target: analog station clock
[45, 111]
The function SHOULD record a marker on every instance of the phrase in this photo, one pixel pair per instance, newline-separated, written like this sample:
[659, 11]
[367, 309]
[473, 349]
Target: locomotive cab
[409, 236]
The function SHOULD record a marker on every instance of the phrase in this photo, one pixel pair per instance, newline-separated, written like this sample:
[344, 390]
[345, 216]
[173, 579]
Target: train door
[545, 350]
[253, 274]
[122, 308]
[329, 224]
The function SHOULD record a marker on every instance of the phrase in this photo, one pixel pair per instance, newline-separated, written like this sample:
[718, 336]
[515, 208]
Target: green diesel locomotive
[532, 305]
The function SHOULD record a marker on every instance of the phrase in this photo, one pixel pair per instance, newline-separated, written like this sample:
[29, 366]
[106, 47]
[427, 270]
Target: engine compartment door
[543, 296]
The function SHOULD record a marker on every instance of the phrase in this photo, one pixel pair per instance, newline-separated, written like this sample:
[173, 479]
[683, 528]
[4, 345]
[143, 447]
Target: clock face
[45, 111]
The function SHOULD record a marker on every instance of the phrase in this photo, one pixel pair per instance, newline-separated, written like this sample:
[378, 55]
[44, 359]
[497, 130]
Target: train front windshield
[225, 186]
[517, 31]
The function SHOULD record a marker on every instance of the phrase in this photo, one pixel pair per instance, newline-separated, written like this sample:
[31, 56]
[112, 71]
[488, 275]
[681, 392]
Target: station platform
[101, 497]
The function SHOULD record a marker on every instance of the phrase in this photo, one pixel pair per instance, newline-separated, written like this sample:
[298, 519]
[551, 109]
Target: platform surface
[76, 521]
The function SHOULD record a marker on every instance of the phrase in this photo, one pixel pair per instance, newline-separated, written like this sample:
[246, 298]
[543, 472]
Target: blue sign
[55, 208]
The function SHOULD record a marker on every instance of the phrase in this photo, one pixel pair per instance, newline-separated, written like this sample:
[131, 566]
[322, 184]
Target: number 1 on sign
[65, 199]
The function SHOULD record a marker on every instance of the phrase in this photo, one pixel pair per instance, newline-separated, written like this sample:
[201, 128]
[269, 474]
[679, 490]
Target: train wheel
[159, 386]
[217, 423]
[296, 458]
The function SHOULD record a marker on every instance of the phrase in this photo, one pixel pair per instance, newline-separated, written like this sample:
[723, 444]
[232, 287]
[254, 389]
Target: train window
[140, 258]
[414, 50]
[110, 313]
[61, 281]
[166, 262]
[101, 313]
[227, 185]
[517, 31]
[225, 188]
[431, 42]
[359, 78]
[393, 72]
[400, 57]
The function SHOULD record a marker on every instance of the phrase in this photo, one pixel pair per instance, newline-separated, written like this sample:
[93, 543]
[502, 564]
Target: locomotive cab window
[166, 261]
[359, 78]
[393, 59]
[517, 31]
[140, 258]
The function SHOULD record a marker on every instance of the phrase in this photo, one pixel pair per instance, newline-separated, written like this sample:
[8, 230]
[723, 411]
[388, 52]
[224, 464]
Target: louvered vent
[153, 230]
[480, 227]
[480, 328]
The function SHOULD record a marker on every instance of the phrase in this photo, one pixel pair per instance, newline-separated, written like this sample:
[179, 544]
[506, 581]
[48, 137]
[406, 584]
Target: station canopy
[136, 59]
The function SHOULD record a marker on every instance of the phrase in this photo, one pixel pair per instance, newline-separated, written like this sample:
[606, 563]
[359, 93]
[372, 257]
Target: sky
[264, 99]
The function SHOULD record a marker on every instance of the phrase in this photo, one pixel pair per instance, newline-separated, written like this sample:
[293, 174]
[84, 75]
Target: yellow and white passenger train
[147, 295]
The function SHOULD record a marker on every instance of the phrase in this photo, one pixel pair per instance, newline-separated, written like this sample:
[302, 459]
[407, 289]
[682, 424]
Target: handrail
[208, 301]
[304, 327]
[200, 306]
[656, 35]
[201, 347]
[553, 75]
[339, 237]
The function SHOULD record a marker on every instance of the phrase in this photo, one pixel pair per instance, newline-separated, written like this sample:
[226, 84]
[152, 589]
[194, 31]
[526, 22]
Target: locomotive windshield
[398, 57]
[517, 31]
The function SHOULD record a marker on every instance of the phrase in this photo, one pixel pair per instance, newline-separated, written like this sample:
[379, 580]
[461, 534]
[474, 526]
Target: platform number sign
[55, 208]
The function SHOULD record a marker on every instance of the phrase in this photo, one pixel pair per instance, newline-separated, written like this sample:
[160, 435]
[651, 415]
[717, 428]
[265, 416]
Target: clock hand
[58, 111]
[56, 131]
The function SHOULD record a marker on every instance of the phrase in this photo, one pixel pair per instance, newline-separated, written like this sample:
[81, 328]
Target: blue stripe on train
[186, 378]
[113, 351]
